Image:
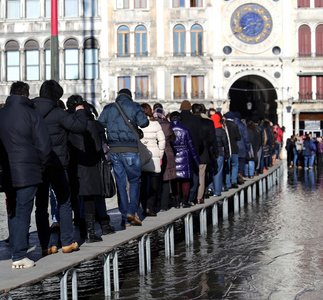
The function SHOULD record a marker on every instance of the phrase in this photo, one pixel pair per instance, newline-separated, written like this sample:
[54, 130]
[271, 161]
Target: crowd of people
[304, 151]
[49, 151]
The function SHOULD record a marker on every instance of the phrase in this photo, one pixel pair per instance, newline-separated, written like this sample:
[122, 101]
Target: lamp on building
[219, 104]
[249, 105]
[289, 106]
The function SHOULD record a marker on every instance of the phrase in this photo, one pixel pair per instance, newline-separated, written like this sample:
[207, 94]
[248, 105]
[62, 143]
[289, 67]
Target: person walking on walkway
[194, 125]
[154, 139]
[27, 149]
[124, 152]
[168, 167]
[224, 155]
[232, 166]
[59, 123]
[185, 158]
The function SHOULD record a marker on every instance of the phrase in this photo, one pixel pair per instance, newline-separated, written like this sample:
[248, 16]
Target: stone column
[297, 122]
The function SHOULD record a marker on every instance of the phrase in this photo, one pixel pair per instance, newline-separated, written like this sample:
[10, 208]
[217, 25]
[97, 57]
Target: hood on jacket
[44, 105]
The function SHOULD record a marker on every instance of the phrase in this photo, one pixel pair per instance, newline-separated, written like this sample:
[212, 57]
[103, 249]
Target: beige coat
[154, 139]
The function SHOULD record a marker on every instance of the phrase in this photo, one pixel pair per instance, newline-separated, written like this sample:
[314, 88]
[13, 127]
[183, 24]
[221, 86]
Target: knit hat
[216, 120]
[237, 115]
[186, 105]
[159, 113]
[126, 92]
[229, 115]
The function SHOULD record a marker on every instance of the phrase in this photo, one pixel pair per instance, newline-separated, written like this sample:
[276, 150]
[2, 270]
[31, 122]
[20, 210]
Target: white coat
[154, 139]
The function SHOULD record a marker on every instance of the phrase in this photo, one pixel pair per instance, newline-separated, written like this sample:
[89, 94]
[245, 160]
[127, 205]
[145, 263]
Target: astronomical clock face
[251, 23]
[251, 27]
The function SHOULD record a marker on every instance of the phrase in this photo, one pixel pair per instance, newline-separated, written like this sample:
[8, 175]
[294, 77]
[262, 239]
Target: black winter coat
[25, 137]
[234, 136]
[59, 123]
[222, 142]
[86, 152]
[210, 149]
[194, 124]
[255, 141]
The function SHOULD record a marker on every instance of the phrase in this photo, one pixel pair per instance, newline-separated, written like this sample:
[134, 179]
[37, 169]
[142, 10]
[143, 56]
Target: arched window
[141, 40]
[13, 61]
[32, 60]
[13, 9]
[304, 41]
[71, 59]
[197, 40]
[71, 8]
[123, 41]
[319, 40]
[32, 9]
[47, 60]
[179, 40]
[91, 59]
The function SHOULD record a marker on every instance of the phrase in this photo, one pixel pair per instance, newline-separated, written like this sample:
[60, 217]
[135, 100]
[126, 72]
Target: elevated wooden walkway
[58, 264]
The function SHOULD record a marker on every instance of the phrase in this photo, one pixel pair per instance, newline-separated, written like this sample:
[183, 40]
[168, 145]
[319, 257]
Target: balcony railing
[305, 54]
[142, 95]
[305, 96]
[198, 95]
[180, 95]
[142, 54]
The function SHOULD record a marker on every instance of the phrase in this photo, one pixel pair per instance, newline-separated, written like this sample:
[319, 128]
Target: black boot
[91, 237]
[185, 203]
[177, 202]
[106, 227]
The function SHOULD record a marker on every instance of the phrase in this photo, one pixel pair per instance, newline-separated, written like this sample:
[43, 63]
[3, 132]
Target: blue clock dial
[251, 23]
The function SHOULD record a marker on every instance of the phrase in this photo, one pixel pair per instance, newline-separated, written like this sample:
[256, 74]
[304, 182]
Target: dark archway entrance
[254, 95]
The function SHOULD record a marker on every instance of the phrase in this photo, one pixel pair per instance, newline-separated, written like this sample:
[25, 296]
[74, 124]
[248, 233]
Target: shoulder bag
[144, 154]
[108, 185]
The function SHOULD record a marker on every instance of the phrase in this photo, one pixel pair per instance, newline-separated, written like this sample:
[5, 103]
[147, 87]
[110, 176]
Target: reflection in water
[271, 249]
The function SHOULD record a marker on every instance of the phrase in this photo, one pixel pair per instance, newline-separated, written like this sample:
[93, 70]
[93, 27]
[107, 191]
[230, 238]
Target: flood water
[271, 249]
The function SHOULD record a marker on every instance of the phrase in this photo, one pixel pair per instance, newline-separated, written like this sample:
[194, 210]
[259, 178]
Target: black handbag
[144, 154]
[108, 185]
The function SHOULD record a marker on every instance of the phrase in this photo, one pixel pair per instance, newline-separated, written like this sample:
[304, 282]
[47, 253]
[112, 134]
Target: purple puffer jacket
[185, 153]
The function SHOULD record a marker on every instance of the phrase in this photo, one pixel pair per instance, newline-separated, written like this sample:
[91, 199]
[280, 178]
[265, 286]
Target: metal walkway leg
[242, 198]
[215, 218]
[142, 254]
[236, 203]
[249, 194]
[63, 284]
[225, 209]
[169, 241]
[189, 237]
[106, 271]
[203, 222]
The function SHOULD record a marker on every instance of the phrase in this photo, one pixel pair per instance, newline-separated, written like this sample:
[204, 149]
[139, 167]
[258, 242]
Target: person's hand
[79, 107]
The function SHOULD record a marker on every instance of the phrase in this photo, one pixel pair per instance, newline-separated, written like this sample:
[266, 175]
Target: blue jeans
[20, 223]
[249, 169]
[307, 160]
[217, 176]
[295, 157]
[312, 159]
[127, 166]
[232, 173]
[58, 179]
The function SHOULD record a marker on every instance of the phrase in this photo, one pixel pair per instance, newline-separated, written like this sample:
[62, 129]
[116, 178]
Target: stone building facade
[259, 57]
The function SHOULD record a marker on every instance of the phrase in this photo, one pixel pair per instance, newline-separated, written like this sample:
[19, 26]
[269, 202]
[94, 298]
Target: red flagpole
[54, 42]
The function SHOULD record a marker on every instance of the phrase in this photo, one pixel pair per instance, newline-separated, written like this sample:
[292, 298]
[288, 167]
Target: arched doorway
[254, 95]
